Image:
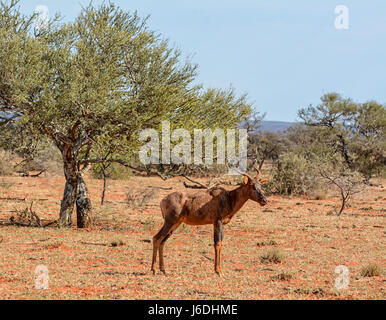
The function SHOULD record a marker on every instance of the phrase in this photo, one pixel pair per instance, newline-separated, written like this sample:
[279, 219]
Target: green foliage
[264, 146]
[113, 171]
[99, 80]
[293, 174]
[357, 132]
[369, 142]
[91, 85]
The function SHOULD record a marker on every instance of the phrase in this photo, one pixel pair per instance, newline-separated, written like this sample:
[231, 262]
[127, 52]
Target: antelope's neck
[237, 200]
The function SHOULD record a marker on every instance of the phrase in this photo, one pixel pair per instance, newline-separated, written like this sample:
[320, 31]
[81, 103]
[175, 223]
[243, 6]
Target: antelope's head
[254, 190]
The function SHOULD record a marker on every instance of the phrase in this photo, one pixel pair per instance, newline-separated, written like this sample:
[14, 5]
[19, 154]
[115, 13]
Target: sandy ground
[83, 264]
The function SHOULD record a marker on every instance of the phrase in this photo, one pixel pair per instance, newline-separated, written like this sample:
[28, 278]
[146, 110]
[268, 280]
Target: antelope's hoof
[153, 270]
[219, 273]
[163, 271]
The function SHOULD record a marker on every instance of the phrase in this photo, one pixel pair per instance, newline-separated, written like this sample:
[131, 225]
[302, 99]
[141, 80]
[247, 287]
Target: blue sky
[284, 54]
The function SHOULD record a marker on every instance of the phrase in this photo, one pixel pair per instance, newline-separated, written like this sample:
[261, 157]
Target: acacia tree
[101, 78]
[266, 145]
[357, 132]
[335, 114]
[369, 141]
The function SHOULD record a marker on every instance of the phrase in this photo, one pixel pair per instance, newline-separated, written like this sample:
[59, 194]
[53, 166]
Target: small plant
[270, 242]
[318, 194]
[310, 290]
[138, 198]
[117, 243]
[284, 276]
[273, 256]
[371, 270]
[148, 223]
[53, 245]
[5, 184]
[26, 217]
[348, 183]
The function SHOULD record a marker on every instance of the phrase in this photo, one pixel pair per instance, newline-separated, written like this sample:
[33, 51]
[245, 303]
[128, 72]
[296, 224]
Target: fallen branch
[189, 186]
[162, 188]
[50, 223]
[38, 174]
[13, 199]
[199, 185]
[26, 218]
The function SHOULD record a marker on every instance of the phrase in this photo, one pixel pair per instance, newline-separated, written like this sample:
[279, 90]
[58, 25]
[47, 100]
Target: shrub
[371, 270]
[114, 171]
[138, 198]
[270, 242]
[46, 158]
[274, 256]
[284, 276]
[293, 174]
[117, 243]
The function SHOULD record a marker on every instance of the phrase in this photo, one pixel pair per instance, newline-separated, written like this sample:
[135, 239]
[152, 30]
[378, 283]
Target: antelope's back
[202, 207]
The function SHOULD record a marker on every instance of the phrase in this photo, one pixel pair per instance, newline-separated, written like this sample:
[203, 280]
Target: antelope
[215, 206]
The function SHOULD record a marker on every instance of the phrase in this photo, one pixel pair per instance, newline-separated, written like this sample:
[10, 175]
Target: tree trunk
[104, 186]
[70, 189]
[344, 151]
[83, 204]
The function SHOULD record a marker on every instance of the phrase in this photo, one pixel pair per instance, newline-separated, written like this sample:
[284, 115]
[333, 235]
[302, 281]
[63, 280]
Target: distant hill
[276, 126]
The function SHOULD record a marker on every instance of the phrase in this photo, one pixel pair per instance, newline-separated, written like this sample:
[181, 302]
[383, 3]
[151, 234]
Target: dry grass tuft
[283, 276]
[270, 242]
[273, 256]
[139, 198]
[117, 243]
[371, 270]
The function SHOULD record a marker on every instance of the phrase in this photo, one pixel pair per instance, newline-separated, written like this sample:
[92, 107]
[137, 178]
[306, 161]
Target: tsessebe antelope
[214, 206]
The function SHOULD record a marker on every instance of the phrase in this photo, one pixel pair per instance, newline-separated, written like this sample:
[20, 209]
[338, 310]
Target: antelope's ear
[245, 180]
[262, 181]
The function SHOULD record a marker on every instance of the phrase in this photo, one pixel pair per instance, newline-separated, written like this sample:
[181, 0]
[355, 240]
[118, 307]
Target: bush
[46, 158]
[284, 276]
[270, 242]
[117, 243]
[293, 174]
[139, 197]
[274, 256]
[6, 167]
[371, 270]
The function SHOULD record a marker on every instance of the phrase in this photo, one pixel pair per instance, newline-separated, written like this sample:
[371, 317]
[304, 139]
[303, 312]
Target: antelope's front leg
[218, 237]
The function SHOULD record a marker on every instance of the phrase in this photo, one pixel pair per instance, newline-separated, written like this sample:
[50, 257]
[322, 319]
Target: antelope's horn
[258, 171]
[244, 174]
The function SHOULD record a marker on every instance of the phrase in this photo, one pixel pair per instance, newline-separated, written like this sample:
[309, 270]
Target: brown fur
[214, 206]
